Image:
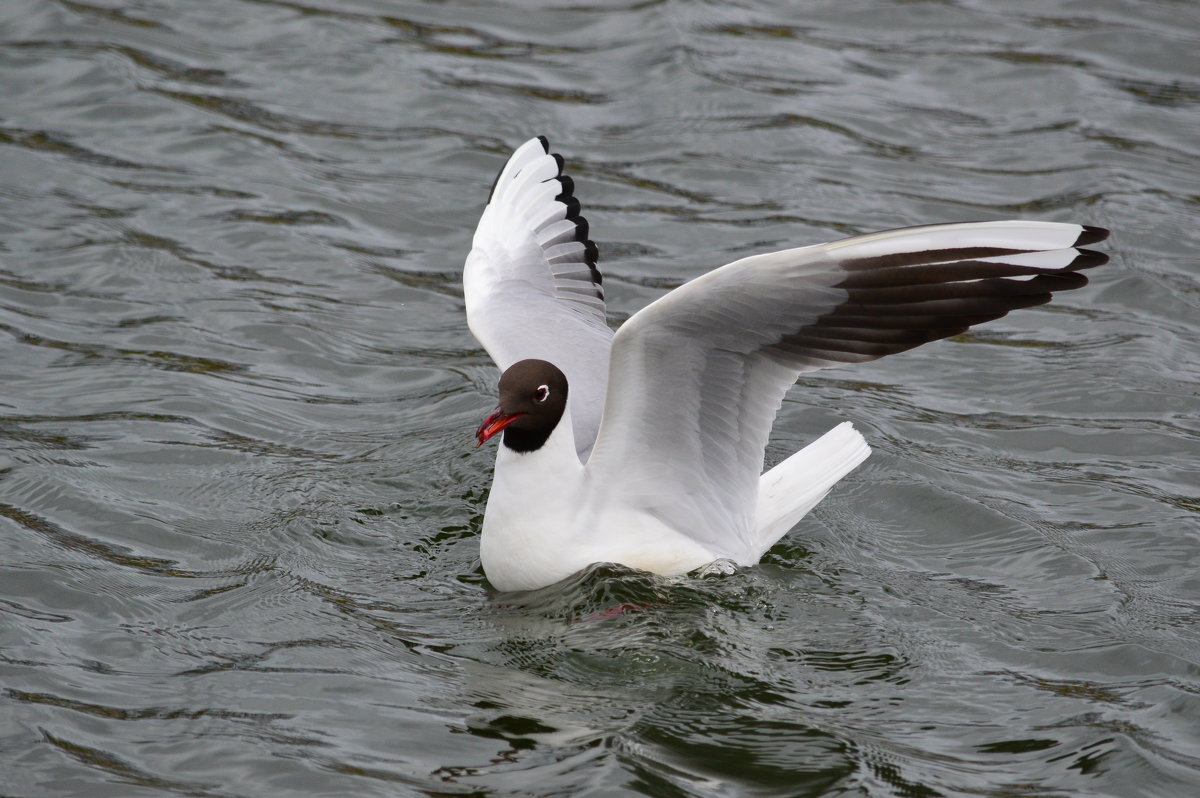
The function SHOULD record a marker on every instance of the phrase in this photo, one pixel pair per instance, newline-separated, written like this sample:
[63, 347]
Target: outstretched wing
[531, 283]
[698, 376]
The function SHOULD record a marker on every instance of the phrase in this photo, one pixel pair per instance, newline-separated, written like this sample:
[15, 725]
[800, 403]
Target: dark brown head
[533, 395]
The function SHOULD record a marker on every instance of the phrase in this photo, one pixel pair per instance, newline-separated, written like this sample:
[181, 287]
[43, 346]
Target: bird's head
[533, 396]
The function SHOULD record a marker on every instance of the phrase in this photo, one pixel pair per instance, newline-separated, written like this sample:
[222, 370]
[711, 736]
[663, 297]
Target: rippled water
[240, 503]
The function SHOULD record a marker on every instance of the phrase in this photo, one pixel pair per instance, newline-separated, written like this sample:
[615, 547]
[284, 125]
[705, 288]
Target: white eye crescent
[542, 393]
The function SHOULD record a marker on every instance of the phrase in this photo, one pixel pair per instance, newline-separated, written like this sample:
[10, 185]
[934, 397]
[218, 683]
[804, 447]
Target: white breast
[545, 521]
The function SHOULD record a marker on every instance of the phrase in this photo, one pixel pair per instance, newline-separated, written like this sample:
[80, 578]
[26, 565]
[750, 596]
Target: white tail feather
[789, 490]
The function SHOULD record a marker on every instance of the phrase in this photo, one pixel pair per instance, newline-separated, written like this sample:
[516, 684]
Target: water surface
[239, 499]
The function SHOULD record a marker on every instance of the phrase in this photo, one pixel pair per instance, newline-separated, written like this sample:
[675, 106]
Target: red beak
[494, 423]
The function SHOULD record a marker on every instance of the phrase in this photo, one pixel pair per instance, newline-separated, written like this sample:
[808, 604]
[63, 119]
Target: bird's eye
[542, 393]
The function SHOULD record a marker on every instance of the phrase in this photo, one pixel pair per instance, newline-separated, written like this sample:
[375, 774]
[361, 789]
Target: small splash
[716, 569]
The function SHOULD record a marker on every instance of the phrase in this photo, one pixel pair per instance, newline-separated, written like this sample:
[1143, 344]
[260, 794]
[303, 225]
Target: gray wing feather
[531, 284]
[697, 377]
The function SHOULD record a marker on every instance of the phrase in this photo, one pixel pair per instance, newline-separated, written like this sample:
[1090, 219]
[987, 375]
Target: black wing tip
[566, 195]
[572, 204]
[1088, 259]
[894, 303]
[1061, 281]
[581, 229]
[591, 255]
[1090, 235]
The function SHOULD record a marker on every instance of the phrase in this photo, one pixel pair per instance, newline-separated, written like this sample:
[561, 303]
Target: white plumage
[656, 461]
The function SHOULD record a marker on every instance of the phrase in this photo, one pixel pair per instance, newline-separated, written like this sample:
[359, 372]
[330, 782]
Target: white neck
[559, 445]
[527, 532]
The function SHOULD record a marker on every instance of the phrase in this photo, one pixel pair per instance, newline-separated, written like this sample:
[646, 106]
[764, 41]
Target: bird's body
[645, 448]
[546, 520]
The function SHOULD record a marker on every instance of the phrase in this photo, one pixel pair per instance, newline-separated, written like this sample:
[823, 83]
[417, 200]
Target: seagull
[645, 447]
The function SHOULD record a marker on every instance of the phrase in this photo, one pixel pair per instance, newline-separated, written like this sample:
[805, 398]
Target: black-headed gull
[645, 448]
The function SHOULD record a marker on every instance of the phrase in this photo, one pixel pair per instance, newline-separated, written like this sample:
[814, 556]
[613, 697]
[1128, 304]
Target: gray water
[239, 497]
